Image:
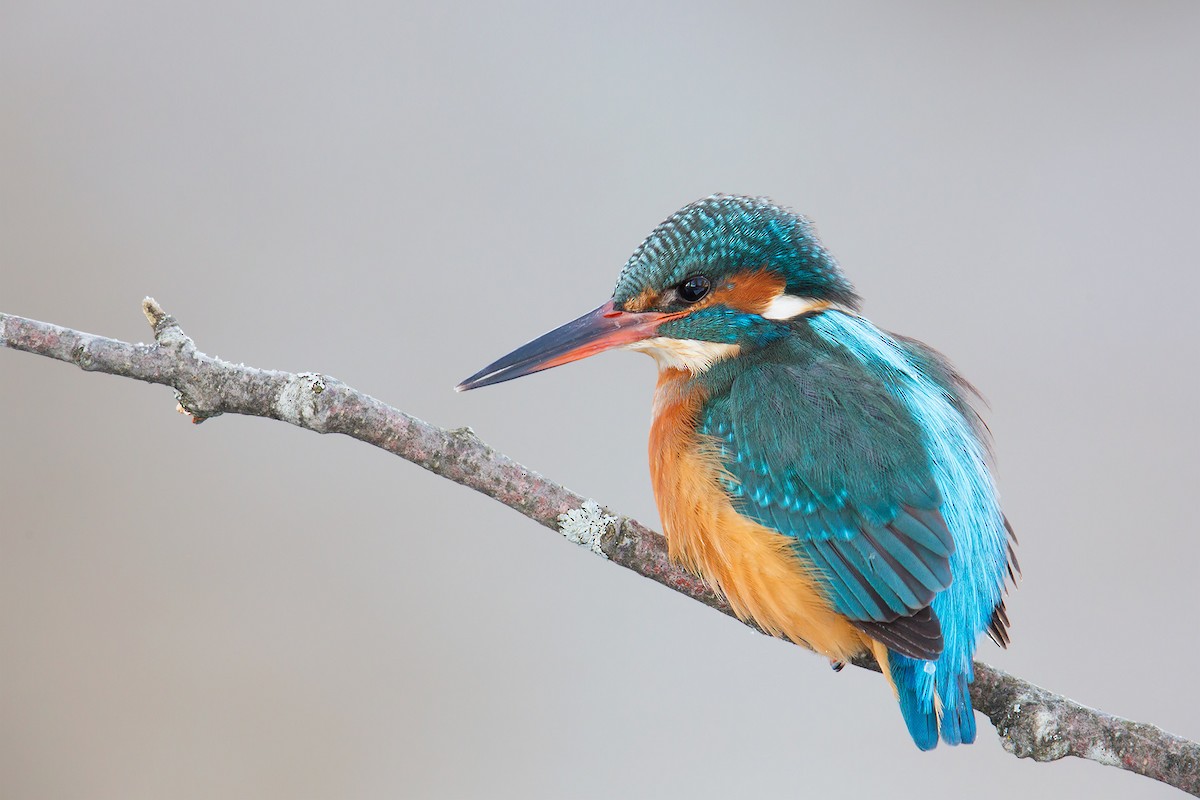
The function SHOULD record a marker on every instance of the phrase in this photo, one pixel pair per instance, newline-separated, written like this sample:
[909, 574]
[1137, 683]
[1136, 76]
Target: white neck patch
[789, 306]
[691, 354]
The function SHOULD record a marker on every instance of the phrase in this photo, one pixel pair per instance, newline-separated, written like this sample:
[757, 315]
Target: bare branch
[1032, 722]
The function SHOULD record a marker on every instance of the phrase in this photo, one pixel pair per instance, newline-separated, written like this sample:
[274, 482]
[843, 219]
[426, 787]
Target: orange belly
[754, 566]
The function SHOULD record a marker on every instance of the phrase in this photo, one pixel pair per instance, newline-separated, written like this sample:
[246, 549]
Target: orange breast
[753, 566]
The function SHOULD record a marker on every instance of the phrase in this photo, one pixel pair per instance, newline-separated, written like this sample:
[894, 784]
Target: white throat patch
[691, 354]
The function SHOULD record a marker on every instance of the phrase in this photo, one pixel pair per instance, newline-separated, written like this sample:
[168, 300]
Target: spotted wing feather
[820, 452]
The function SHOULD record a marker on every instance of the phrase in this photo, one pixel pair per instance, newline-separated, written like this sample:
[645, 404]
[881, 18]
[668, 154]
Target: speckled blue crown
[723, 234]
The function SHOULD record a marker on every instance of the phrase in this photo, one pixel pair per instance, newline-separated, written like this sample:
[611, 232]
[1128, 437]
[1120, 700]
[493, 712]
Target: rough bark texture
[1032, 722]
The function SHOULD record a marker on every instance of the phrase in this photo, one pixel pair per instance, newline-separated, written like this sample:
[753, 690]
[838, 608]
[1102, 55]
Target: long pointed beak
[594, 332]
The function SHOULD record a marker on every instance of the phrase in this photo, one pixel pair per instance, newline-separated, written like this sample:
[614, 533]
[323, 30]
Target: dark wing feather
[998, 627]
[917, 636]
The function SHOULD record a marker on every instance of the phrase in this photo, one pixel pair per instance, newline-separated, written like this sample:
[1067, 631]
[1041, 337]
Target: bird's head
[720, 275]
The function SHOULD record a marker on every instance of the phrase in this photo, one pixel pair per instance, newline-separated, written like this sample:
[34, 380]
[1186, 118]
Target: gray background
[396, 195]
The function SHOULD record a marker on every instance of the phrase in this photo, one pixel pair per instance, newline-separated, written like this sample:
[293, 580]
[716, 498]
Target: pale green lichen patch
[585, 525]
[1099, 753]
[296, 402]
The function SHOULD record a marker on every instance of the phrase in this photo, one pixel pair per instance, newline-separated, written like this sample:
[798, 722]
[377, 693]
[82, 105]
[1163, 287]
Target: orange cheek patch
[643, 302]
[749, 292]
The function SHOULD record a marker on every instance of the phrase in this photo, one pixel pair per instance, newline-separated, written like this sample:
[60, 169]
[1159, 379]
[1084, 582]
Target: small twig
[1032, 722]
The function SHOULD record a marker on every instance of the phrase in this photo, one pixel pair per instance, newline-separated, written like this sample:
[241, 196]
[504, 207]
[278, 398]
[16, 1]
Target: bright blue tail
[958, 716]
[916, 707]
[915, 687]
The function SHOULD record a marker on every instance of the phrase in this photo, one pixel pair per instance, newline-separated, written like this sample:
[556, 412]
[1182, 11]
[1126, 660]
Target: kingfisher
[830, 479]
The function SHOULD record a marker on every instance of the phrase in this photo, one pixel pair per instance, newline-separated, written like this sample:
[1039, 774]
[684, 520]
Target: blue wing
[818, 449]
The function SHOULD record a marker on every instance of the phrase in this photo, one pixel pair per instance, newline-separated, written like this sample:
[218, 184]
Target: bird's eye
[694, 288]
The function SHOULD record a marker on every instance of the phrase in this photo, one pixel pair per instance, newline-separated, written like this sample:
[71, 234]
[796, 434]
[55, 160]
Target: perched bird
[830, 479]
